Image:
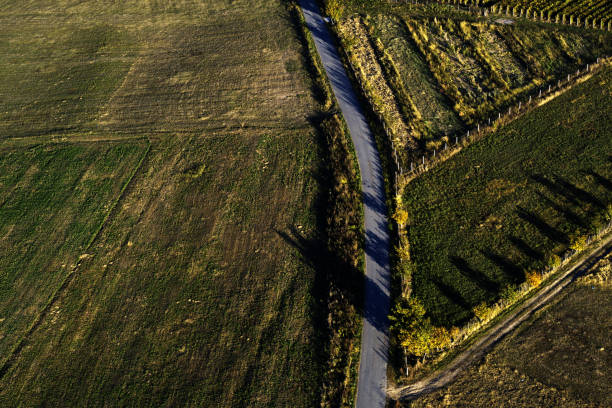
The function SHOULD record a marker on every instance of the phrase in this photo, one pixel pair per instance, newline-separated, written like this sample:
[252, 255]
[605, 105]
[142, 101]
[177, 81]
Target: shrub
[579, 244]
[533, 278]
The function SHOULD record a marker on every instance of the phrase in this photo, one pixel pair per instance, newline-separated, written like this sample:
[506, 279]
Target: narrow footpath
[372, 381]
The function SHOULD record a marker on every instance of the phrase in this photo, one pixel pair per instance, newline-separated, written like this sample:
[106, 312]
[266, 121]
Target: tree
[533, 278]
[411, 327]
[440, 338]
[579, 244]
[481, 311]
[401, 217]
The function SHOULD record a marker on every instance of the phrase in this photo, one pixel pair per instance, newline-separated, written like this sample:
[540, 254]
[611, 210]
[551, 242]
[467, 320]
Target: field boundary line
[429, 161]
[491, 335]
[20, 141]
[14, 353]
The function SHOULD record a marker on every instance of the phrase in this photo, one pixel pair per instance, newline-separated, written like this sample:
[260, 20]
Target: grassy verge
[343, 285]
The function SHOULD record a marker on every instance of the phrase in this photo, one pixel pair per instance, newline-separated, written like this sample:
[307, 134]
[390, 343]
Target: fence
[474, 7]
[457, 142]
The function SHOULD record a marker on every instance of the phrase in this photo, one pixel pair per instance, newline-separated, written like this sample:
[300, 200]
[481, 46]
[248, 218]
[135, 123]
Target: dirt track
[446, 375]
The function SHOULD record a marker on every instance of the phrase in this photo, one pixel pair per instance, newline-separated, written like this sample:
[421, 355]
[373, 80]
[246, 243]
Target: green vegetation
[165, 224]
[53, 200]
[567, 345]
[429, 79]
[504, 206]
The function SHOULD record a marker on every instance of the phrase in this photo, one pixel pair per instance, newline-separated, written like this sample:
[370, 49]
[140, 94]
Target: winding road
[372, 381]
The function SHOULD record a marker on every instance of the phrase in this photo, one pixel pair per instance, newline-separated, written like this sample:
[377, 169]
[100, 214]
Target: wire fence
[475, 7]
[408, 171]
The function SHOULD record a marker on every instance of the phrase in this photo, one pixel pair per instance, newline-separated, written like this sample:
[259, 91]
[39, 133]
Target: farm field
[598, 9]
[439, 77]
[566, 344]
[53, 200]
[198, 281]
[503, 206]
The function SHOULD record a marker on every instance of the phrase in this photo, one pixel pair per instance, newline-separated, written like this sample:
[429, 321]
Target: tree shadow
[511, 270]
[601, 180]
[526, 249]
[567, 213]
[572, 193]
[482, 280]
[554, 188]
[579, 193]
[452, 294]
[541, 225]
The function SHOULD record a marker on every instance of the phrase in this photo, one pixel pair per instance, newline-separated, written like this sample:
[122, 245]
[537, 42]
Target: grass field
[53, 200]
[202, 287]
[504, 205]
[566, 345]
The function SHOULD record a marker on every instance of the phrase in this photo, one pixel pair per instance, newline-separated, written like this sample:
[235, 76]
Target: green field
[206, 284]
[53, 200]
[566, 345]
[503, 205]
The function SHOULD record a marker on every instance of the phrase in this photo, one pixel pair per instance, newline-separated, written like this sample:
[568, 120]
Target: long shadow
[547, 230]
[555, 189]
[574, 194]
[579, 193]
[482, 280]
[341, 275]
[452, 294]
[526, 249]
[601, 180]
[565, 211]
[515, 273]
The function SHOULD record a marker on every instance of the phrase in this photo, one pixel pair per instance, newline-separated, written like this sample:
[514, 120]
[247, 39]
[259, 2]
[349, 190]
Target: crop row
[373, 82]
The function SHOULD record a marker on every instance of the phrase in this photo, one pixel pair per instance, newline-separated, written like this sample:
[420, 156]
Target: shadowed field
[505, 205]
